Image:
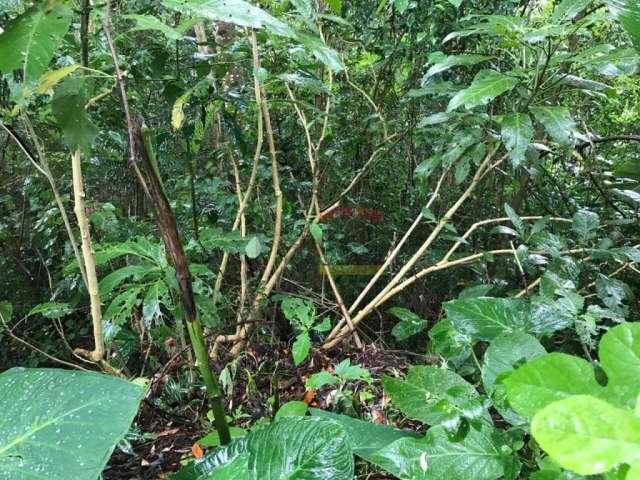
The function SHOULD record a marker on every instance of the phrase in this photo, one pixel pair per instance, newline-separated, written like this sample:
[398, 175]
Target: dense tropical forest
[319, 239]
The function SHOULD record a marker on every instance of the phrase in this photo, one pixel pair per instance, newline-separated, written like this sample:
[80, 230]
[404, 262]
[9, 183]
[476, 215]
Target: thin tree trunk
[97, 355]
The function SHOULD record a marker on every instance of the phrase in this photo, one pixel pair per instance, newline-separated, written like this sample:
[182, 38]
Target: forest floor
[168, 435]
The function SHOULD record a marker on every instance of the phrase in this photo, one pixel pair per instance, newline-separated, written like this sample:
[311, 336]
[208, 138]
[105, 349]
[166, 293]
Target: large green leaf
[444, 64]
[619, 353]
[568, 9]
[628, 13]
[506, 353]
[366, 437]
[547, 379]
[297, 448]
[29, 42]
[585, 224]
[588, 435]
[517, 134]
[478, 456]
[485, 318]
[237, 12]
[556, 376]
[433, 395]
[68, 108]
[557, 121]
[221, 461]
[487, 85]
[61, 425]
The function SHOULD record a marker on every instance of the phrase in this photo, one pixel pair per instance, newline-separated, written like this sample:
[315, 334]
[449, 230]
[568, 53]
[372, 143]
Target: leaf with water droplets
[61, 425]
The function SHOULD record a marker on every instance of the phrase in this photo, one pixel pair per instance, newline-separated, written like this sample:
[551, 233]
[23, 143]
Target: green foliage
[479, 455]
[435, 396]
[292, 447]
[410, 324]
[293, 408]
[42, 409]
[486, 86]
[31, 40]
[557, 121]
[302, 315]
[628, 12]
[344, 372]
[366, 438]
[582, 425]
[517, 133]
[537, 102]
[486, 318]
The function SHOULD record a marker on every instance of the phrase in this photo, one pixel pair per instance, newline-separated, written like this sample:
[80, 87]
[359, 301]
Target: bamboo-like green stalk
[169, 231]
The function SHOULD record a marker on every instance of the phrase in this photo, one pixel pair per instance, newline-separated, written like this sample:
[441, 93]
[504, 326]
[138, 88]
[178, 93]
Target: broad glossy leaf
[453, 61]
[237, 12]
[558, 123]
[68, 109]
[588, 435]
[628, 13]
[487, 85]
[216, 464]
[485, 318]
[547, 317]
[619, 353]
[301, 448]
[410, 324]
[568, 9]
[478, 456]
[506, 353]
[431, 394]
[548, 379]
[59, 424]
[366, 437]
[517, 134]
[29, 42]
